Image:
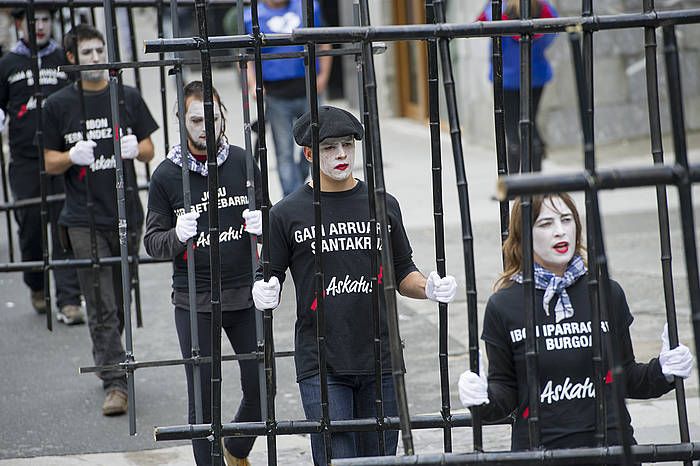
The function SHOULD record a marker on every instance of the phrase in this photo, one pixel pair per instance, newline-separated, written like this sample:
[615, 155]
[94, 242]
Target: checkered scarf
[195, 165]
[20, 48]
[554, 285]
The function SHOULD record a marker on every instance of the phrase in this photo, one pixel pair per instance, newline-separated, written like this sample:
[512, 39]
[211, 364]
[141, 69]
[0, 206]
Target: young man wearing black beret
[347, 249]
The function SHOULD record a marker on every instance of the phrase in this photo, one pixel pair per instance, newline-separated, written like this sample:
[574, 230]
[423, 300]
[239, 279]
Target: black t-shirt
[347, 243]
[567, 393]
[17, 96]
[165, 198]
[62, 130]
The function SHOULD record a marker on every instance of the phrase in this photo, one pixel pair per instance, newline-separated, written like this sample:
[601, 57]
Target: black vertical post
[161, 76]
[439, 225]
[465, 213]
[132, 46]
[112, 56]
[43, 177]
[362, 18]
[673, 75]
[657, 152]
[270, 382]
[389, 280]
[187, 204]
[215, 258]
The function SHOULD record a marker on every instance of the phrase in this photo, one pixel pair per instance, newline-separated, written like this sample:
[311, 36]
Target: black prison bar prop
[187, 205]
[161, 76]
[657, 152]
[43, 177]
[362, 17]
[99, 4]
[389, 280]
[596, 455]
[68, 264]
[423, 421]
[464, 210]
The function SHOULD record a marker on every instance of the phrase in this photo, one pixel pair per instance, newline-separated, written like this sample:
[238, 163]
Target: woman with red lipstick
[564, 338]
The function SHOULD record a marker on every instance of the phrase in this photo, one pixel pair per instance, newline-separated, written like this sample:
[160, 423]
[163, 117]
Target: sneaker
[70, 314]
[232, 460]
[116, 403]
[38, 302]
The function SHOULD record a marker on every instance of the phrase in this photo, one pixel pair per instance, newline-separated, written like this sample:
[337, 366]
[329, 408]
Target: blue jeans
[349, 397]
[282, 113]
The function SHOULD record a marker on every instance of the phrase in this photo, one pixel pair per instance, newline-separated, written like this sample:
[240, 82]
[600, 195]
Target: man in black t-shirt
[68, 153]
[18, 110]
[347, 246]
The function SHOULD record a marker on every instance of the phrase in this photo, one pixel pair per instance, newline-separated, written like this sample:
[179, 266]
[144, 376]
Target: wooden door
[411, 63]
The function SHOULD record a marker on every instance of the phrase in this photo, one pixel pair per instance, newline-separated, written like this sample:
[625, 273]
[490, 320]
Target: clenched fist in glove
[674, 362]
[440, 289]
[266, 295]
[473, 388]
[186, 226]
[130, 147]
[253, 221]
[83, 152]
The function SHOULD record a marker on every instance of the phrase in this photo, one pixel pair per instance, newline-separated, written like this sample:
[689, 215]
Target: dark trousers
[240, 330]
[349, 397]
[105, 312]
[24, 182]
[511, 109]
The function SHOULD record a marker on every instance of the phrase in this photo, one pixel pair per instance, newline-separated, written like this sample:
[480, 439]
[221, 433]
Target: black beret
[333, 122]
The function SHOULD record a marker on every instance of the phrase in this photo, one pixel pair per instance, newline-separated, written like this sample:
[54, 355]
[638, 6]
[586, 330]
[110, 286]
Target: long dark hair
[512, 247]
[196, 89]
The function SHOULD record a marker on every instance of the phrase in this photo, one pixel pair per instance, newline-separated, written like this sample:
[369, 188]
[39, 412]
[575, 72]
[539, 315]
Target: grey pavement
[50, 415]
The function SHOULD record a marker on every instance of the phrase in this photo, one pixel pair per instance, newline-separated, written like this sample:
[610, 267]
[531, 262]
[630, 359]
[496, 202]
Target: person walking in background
[18, 110]
[285, 84]
[541, 75]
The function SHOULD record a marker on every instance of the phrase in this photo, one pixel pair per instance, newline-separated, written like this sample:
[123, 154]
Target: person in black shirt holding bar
[66, 152]
[564, 334]
[168, 227]
[18, 106]
[347, 249]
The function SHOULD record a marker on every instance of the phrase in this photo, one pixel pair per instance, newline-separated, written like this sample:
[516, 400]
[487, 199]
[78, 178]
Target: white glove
[266, 295]
[2, 120]
[130, 147]
[83, 152]
[253, 221]
[440, 289]
[186, 226]
[674, 362]
[473, 388]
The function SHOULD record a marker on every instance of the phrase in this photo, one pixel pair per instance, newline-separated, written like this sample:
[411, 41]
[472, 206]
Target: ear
[70, 57]
[308, 154]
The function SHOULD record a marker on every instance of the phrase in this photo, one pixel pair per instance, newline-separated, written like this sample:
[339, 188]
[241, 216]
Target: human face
[194, 122]
[554, 235]
[42, 26]
[337, 157]
[91, 52]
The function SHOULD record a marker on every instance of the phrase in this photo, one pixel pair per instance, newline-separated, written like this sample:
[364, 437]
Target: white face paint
[42, 26]
[337, 157]
[91, 52]
[554, 236]
[194, 122]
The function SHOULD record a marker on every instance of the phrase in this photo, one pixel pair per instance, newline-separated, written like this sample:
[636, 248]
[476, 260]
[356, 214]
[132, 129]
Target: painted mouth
[562, 247]
[342, 166]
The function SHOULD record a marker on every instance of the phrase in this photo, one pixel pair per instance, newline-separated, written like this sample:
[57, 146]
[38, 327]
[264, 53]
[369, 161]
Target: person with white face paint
[564, 338]
[168, 227]
[67, 153]
[348, 245]
[18, 111]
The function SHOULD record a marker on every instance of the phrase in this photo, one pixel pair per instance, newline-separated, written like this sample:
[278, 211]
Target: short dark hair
[80, 33]
[196, 89]
[20, 13]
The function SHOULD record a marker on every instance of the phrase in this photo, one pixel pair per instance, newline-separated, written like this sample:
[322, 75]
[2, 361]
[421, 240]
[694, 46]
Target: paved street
[51, 415]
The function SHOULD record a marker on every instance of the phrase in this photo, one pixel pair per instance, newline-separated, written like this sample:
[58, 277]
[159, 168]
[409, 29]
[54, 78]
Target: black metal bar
[424, 421]
[161, 76]
[596, 455]
[132, 46]
[214, 252]
[650, 48]
[68, 264]
[389, 280]
[6, 199]
[43, 177]
[98, 3]
[673, 77]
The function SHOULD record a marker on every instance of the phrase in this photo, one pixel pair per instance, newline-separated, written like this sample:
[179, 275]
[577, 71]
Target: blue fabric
[541, 69]
[281, 21]
[556, 286]
[20, 48]
[281, 114]
[349, 397]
